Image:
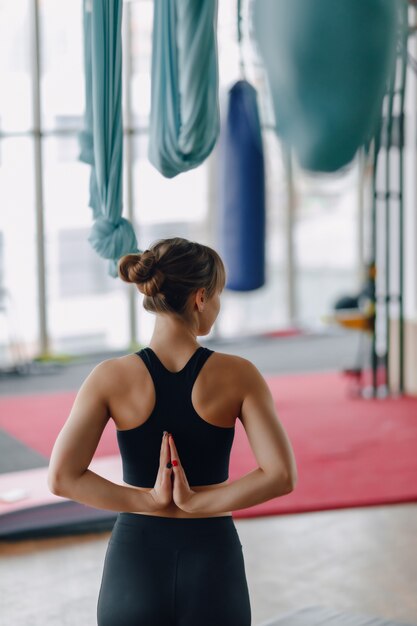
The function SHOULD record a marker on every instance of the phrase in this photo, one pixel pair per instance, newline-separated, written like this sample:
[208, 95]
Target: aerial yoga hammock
[101, 141]
[328, 65]
[184, 121]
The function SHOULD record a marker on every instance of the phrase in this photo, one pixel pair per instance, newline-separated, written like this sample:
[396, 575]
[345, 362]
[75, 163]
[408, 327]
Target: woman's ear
[200, 298]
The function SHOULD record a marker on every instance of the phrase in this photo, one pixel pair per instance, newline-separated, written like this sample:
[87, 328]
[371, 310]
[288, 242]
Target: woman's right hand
[162, 491]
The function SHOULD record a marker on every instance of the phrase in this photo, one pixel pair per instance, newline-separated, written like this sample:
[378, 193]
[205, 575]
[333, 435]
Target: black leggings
[166, 571]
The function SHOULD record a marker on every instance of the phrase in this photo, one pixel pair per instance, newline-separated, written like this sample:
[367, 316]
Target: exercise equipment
[242, 213]
[387, 206]
[386, 218]
[185, 118]
[327, 65]
[242, 192]
[101, 140]
[357, 312]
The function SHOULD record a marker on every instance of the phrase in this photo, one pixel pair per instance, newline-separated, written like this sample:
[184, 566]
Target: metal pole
[387, 301]
[361, 210]
[289, 236]
[401, 252]
[128, 150]
[373, 264]
[211, 227]
[37, 144]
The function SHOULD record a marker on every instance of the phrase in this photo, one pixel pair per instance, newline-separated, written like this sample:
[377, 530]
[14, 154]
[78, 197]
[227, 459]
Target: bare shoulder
[230, 359]
[237, 365]
[237, 373]
[111, 373]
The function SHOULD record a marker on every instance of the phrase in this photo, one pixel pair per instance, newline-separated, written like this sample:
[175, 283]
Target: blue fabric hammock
[101, 141]
[328, 64]
[242, 192]
[185, 119]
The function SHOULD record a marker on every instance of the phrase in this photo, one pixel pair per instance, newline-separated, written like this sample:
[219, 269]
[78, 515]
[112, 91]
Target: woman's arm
[277, 471]
[68, 473]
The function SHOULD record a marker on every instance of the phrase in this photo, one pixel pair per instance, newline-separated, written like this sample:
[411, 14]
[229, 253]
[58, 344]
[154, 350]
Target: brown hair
[170, 271]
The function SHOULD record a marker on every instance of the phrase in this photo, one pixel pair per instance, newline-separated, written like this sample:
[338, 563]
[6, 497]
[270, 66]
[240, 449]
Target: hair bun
[142, 269]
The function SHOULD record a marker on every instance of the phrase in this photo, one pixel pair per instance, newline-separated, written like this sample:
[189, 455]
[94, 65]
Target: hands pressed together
[166, 490]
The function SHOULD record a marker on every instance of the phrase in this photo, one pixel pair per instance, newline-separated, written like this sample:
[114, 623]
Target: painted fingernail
[169, 465]
[174, 462]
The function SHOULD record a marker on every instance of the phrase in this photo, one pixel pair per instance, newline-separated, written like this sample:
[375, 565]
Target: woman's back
[216, 395]
[197, 399]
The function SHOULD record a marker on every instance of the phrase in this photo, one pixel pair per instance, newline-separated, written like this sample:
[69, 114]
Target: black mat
[56, 519]
[320, 615]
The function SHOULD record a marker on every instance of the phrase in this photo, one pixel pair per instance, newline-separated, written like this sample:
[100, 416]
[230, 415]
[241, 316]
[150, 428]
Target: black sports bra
[204, 448]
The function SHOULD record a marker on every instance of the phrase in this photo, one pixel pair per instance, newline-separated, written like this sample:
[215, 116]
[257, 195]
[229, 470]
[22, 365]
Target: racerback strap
[160, 374]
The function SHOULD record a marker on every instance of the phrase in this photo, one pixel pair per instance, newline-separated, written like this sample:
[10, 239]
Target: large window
[44, 185]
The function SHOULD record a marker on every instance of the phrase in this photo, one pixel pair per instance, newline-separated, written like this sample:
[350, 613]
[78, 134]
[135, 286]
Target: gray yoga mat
[319, 615]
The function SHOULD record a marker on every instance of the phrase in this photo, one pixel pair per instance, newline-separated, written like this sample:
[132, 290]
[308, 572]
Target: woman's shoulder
[113, 372]
[235, 363]
[237, 358]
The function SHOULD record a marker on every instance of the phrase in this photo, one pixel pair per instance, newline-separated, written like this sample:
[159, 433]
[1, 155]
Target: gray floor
[16, 457]
[318, 615]
[314, 352]
[361, 560]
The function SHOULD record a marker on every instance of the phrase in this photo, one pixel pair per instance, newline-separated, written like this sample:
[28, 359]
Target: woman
[174, 555]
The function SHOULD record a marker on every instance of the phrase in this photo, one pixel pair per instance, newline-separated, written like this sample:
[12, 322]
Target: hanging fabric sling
[184, 120]
[101, 141]
[327, 65]
[242, 192]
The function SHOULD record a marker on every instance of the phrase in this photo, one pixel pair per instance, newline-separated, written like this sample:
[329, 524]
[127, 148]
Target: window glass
[18, 269]
[325, 237]
[87, 308]
[62, 64]
[15, 66]
[141, 53]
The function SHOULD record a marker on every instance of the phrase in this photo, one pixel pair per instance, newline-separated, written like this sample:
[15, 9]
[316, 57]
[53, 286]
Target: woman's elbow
[290, 483]
[56, 484]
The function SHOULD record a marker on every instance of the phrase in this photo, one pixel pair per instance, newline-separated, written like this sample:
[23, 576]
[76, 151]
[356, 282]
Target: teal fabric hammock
[101, 141]
[185, 117]
[328, 64]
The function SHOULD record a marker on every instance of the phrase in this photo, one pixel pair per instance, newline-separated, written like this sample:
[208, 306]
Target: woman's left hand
[182, 492]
